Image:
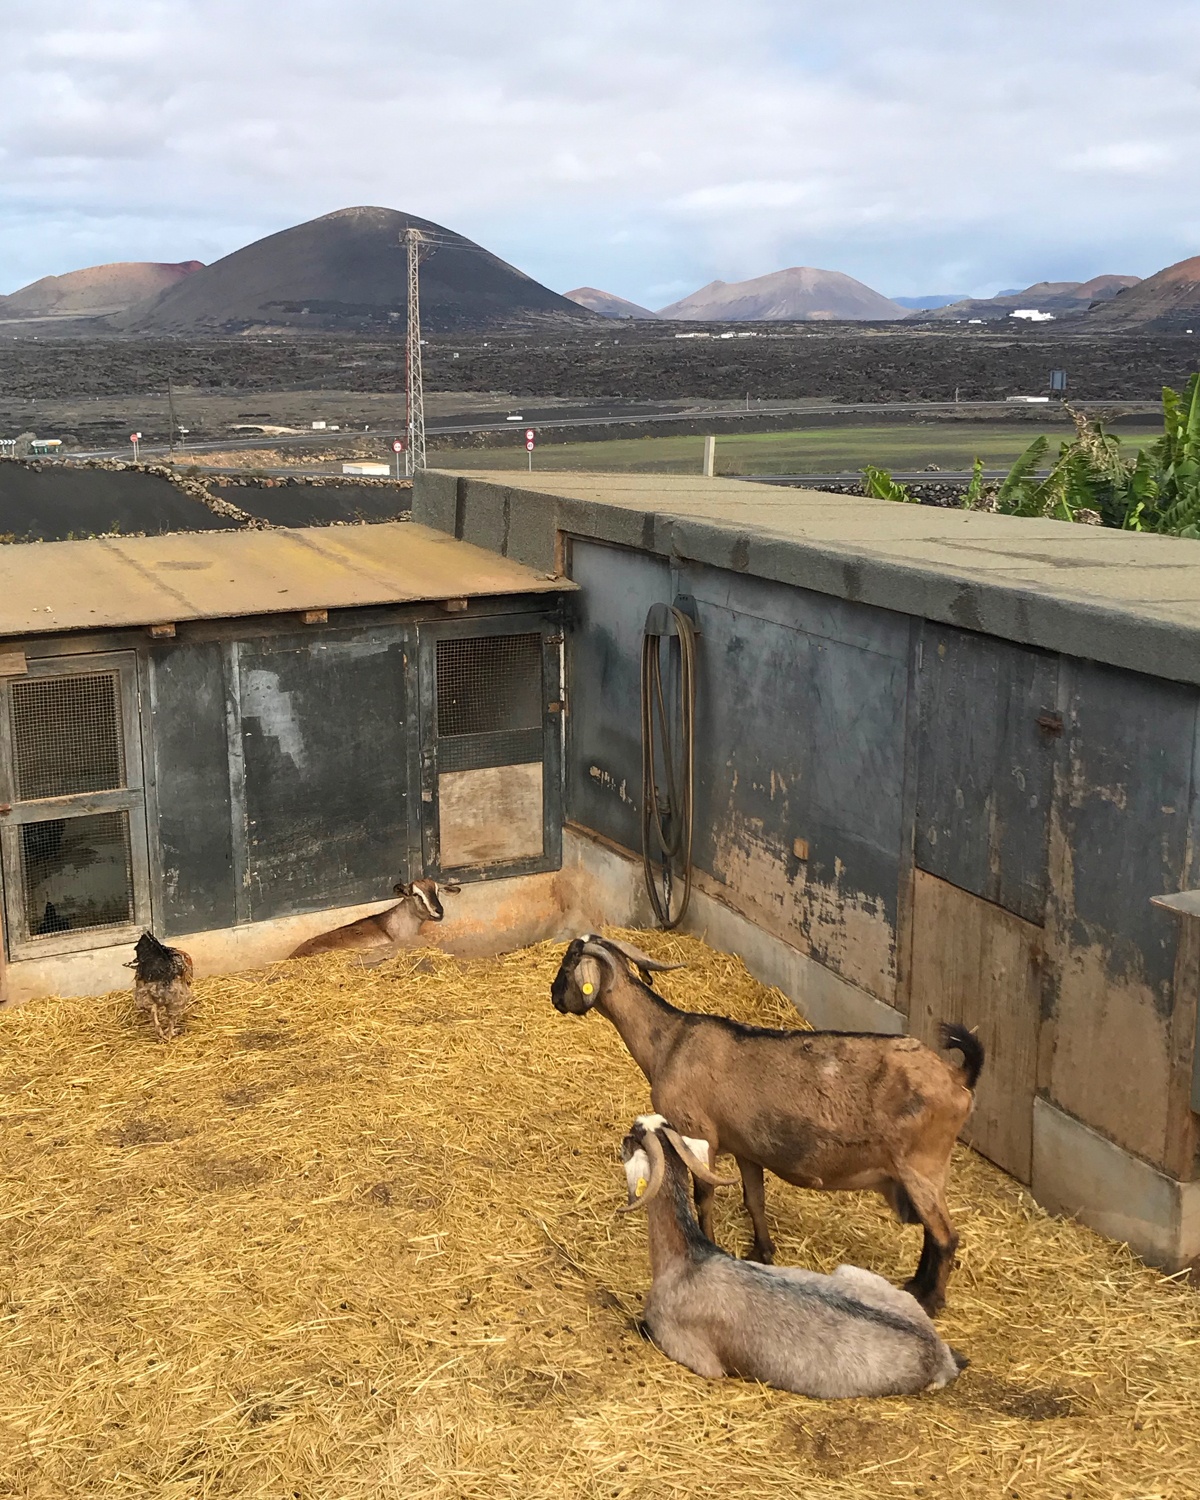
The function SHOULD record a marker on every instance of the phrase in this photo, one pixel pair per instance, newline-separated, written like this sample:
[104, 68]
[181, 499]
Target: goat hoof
[763, 1254]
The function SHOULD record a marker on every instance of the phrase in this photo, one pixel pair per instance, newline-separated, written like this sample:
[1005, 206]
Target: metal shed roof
[107, 582]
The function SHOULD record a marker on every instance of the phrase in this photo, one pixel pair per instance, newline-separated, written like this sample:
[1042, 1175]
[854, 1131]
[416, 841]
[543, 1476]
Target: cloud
[633, 146]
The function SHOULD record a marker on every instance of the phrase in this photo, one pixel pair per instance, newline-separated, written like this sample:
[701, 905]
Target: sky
[645, 147]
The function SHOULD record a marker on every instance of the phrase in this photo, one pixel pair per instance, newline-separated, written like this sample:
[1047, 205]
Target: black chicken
[162, 989]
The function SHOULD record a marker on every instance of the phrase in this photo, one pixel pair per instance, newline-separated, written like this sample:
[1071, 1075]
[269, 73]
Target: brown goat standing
[831, 1110]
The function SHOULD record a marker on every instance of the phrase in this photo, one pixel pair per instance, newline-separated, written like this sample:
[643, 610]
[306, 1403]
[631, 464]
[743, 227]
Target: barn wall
[854, 764]
[190, 759]
[944, 765]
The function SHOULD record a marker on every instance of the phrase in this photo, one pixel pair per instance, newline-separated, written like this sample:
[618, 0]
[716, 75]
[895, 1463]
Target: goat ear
[401, 890]
[698, 1148]
[588, 976]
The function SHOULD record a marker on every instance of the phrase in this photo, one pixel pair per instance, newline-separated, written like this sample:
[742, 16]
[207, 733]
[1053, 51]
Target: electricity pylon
[414, 456]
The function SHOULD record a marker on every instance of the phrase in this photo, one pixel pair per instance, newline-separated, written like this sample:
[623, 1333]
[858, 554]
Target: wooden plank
[13, 664]
[490, 816]
[979, 965]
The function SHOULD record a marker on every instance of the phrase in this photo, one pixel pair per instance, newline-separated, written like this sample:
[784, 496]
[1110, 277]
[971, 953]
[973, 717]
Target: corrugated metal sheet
[113, 581]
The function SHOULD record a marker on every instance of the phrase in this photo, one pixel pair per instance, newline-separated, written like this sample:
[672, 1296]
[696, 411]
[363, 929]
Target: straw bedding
[354, 1235]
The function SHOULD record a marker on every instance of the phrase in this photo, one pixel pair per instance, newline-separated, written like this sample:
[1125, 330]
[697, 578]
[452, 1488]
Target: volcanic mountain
[1167, 302]
[800, 294]
[607, 304]
[1058, 297]
[347, 271]
[97, 290]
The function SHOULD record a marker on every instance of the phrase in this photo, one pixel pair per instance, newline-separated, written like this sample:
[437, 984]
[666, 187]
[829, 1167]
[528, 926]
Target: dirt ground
[355, 1235]
[100, 390]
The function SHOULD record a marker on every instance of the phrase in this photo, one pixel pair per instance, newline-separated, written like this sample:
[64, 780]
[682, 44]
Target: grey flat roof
[1128, 599]
[107, 582]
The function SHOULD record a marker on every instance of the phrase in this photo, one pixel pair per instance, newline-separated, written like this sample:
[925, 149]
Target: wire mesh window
[77, 873]
[490, 701]
[67, 735]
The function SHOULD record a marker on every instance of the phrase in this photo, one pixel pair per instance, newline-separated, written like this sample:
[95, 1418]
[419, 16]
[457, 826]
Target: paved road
[568, 417]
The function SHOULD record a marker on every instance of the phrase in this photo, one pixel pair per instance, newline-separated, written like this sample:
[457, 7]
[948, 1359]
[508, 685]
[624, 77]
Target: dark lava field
[639, 362]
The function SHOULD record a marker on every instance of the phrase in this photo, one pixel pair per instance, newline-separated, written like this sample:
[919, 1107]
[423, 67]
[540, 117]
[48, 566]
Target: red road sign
[398, 446]
[135, 437]
[529, 434]
[529, 444]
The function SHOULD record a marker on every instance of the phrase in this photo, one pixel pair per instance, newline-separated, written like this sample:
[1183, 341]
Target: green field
[817, 450]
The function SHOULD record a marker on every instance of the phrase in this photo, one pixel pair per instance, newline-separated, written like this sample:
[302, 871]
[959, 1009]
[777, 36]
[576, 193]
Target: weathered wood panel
[191, 771]
[1120, 836]
[800, 766]
[490, 815]
[975, 963]
[604, 754]
[985, 766]
[324, 738]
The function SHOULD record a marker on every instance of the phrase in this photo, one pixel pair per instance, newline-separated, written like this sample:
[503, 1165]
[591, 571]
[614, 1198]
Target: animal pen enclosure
[946, 764]
[230, 736]
[353, 1233]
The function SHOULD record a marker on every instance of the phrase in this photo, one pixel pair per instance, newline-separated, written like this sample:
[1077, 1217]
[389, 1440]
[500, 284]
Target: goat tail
[959, 1039]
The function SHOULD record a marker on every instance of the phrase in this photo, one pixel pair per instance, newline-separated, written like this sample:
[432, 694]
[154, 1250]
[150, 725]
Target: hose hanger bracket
[668, 703]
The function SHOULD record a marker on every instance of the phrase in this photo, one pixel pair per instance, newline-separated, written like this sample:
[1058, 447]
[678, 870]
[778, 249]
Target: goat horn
[642, 960]
[594, 950]
[658, 1170]
[693, 1163]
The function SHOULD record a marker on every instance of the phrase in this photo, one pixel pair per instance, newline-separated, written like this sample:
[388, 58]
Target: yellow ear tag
[588, 988]
[642, 1185]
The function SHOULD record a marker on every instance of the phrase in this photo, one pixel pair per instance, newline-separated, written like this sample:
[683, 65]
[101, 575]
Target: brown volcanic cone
[800, 294]
[607, 304]
[97, 290]
[347, 270]
[1167, 302]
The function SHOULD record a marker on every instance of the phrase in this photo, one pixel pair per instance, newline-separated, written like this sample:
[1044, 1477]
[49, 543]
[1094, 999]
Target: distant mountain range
[97, 290]
[1167, 302]
[343, 272]
[799, 294]
[607, 304]
[346, 271]
[1058, 297]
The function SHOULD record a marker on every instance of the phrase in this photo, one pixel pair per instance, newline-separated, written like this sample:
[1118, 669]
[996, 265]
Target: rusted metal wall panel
[985, 765]
[191, 772]
[801, 719]
[604, 755]
[325, 728]
[800, 747]
[1119, 835]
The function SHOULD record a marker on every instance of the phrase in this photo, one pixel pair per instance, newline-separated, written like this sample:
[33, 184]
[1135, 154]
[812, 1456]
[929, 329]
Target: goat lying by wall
[849, 1334]
[397, 927]
[836, 1111]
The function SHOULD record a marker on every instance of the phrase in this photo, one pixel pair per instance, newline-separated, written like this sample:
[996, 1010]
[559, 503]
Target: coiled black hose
[667, 808]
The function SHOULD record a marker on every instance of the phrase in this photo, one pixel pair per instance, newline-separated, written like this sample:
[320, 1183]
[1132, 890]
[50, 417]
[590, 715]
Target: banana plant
[1091, 480]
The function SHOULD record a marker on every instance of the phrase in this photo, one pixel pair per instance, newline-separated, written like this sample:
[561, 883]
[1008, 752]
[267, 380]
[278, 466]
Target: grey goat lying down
[849, 1334]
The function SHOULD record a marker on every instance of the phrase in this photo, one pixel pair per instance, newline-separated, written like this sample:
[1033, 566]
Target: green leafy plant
[1091, 480]
[878, 484]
